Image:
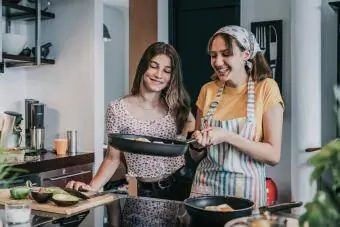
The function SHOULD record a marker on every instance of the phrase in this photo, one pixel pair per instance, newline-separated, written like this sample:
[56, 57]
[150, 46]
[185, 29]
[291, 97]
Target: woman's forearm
[105, 172]
[261, 151]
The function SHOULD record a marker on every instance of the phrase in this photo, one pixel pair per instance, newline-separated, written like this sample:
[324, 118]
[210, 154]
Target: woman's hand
[217, 135]
[202, 139]
[79, 185]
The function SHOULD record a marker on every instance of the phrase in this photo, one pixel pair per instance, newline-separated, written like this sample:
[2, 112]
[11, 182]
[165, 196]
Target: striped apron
[225, 170]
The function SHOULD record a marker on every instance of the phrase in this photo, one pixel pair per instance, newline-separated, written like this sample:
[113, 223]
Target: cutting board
[51, 207]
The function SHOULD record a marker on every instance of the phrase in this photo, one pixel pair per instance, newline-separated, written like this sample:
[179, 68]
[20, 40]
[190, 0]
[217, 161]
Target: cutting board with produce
[54, 200]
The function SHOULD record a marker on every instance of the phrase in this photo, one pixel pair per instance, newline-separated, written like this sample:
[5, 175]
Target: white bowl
[13, 43]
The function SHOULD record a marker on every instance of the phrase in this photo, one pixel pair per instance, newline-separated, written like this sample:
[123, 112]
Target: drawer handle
[67, 176]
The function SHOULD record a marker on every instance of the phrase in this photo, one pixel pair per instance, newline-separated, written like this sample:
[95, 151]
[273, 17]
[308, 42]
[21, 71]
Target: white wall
[116, 76]
[67, 88]
[264, 10]
[13, 80]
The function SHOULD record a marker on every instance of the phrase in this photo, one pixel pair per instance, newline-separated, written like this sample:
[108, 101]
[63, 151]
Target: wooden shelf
[11, 60]
[19, 12]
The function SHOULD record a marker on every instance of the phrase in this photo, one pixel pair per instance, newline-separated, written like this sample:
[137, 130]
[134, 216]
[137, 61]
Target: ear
[246, 55]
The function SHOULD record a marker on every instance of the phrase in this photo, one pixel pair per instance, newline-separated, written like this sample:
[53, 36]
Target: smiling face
[158, 74]
[228, 64]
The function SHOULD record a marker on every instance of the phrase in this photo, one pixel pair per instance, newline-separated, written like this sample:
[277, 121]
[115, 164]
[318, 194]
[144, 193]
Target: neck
[150, 99]
[239, 81]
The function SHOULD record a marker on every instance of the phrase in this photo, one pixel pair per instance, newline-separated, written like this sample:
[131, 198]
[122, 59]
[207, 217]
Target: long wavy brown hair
[175, 95]
[260, 68]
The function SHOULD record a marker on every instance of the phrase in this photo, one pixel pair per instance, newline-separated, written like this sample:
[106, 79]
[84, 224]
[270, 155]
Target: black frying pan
[242, 208]
[157, 146]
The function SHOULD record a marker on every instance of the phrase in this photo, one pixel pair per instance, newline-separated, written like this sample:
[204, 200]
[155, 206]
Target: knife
[85, 196]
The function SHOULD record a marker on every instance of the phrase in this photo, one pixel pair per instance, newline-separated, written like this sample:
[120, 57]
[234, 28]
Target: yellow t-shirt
[233, 103]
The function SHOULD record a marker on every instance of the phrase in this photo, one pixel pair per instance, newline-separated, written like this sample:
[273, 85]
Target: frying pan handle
[190, 140]
[281, 206]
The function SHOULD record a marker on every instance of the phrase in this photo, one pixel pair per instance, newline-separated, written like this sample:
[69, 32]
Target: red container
[271, 191]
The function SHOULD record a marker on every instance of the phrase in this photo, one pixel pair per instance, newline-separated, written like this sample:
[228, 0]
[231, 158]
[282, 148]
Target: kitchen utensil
[13, 43]
[242, 208]
[25, 52]
[84, 194]
[82, 205]
[45, 50]
[156, 146]
[264, 220]
[72, 141]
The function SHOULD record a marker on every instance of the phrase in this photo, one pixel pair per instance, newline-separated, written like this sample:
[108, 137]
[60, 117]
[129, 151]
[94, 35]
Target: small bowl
[41, 195]
[13, 43]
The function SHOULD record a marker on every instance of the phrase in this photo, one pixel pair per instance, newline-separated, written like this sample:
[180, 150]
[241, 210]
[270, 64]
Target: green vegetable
[56, 190]
[19, 192]
[65, 198]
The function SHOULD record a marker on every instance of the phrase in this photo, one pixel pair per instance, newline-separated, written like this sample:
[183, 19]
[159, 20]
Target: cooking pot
[242, 208]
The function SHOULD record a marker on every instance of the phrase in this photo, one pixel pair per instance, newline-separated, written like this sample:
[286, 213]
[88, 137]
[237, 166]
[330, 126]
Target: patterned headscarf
[244, 37]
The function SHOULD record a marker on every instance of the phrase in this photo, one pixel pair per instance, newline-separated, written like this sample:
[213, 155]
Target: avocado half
[64, 200]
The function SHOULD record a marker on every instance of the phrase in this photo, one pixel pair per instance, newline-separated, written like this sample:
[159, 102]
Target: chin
[155, 89]
[224, 78]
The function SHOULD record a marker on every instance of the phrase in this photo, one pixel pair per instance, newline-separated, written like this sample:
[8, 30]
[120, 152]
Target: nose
[158, 74]
[219, 60]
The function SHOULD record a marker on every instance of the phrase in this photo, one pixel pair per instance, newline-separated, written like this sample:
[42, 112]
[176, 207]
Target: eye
[227, 54]
[212, 55]
[153, 65]
[167, 70]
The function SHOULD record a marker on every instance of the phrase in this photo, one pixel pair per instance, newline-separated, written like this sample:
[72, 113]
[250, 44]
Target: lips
[223, 71]
[155, 81]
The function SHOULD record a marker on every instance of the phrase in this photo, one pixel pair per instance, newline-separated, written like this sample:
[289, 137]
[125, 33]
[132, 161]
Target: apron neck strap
[250, 102]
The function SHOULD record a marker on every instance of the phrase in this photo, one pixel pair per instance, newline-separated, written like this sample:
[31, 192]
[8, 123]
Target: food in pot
[220, 208]
[64, 200]
[143, 140]
[19, 192]
[260, 223]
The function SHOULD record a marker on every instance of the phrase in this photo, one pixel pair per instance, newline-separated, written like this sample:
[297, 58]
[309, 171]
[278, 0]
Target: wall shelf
[19, 12]
[10, 60]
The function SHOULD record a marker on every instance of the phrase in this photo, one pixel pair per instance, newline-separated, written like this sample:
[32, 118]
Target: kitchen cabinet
[14, 12]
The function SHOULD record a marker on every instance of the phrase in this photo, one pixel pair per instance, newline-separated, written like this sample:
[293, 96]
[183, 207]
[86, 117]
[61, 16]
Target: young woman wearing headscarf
[239, 119]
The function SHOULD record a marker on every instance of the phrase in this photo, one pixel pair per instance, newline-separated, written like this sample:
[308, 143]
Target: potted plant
[324, 209]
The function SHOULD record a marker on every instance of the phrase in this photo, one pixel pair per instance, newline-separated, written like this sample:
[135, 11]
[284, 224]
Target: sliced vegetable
[64, 200]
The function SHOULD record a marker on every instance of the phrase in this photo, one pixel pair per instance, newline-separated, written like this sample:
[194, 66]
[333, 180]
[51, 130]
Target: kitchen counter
[148, 212]
[49, 160]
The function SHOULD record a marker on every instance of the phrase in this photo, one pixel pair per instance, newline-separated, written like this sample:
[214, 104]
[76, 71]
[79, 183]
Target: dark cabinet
[336, 7]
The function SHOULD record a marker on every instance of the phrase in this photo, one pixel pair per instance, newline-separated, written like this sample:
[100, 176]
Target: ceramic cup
[60, 146]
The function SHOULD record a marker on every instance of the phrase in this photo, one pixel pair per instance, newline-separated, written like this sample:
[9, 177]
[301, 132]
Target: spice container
[72, 141]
